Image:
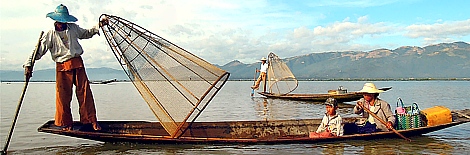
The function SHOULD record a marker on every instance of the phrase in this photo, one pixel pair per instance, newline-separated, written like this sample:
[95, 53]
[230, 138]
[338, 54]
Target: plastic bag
[400, 109]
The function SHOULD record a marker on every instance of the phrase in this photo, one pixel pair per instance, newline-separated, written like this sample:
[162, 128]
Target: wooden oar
[4, 151]
[254, 82]
[383, 122]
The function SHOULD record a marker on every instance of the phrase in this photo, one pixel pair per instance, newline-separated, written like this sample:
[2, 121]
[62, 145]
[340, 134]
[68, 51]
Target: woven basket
[412, 118]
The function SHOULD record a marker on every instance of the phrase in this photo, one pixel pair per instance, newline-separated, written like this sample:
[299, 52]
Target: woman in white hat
[262, 74]
[62, 42]
[379, 107]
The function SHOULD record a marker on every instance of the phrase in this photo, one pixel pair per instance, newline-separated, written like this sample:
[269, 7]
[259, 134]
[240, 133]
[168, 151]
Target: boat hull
[255, 132]
[347, 97]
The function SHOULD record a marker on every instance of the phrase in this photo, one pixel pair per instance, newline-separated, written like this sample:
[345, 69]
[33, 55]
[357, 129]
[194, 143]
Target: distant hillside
[445, 60]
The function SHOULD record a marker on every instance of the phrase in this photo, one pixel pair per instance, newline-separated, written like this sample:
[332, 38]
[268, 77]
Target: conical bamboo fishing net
[176, 84]
[280, 78]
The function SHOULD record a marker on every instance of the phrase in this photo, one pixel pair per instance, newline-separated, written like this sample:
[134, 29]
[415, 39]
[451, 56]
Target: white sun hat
[370, 88]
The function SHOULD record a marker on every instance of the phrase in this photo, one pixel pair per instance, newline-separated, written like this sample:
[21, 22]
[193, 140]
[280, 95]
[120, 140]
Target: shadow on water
[117, 148]
[420, 145]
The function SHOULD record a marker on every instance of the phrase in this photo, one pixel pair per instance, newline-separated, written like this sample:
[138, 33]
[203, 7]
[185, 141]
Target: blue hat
[61, 14]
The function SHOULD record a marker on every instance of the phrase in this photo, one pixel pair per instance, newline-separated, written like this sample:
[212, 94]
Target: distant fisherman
[262, 74]
[62, 42]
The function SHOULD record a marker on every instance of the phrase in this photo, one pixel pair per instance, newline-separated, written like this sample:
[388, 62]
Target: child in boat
[331, 124]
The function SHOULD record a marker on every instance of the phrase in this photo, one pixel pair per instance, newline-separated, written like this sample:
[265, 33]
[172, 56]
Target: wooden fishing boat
[254, 132]
[346, 97]
[340, 95]
[103, 82]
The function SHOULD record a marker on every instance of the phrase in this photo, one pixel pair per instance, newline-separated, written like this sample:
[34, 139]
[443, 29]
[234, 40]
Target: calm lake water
[121, 101]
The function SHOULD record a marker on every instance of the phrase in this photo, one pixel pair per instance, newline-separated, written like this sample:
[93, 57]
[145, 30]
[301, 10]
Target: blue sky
[222, 31]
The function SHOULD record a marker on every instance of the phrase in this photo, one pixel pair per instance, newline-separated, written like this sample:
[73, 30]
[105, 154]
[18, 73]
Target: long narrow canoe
[346, 97]
[256, 132]
[340, 97]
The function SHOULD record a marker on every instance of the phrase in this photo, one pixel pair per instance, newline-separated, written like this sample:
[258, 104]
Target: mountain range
[444, 60]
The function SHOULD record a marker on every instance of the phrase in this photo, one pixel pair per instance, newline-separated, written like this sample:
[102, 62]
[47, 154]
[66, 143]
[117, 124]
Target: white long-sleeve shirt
[264, 67]
[61, 52]
[332, 123]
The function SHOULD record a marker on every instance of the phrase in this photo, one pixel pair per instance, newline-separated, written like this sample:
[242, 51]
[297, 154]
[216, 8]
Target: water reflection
[262, 108]
[333, 148]
[419, 145]
[121, 148]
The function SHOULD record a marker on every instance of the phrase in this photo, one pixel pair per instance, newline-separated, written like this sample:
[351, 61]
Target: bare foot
[67, 128]
[96, 126]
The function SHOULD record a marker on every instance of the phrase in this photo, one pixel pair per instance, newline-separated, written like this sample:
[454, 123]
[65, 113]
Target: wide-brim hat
[370, 88]
[332, 102]
[263, 59]
[61, 14]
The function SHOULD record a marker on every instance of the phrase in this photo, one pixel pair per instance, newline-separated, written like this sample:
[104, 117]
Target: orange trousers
[262, 76]
[71, 73]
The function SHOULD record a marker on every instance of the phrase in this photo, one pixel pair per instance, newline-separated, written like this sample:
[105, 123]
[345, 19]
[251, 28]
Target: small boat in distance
[103, 82]
[341, 95]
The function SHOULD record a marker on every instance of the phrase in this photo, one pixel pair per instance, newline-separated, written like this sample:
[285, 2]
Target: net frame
[152, 62]
[280, 79]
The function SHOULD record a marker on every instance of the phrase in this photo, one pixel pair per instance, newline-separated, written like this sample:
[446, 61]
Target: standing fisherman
[62, 42]
[262, 74]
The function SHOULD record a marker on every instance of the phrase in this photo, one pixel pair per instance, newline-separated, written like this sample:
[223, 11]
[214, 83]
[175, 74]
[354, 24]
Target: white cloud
[439, 32]
[338, 36]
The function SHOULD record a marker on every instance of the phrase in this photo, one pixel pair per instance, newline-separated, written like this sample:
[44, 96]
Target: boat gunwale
[347, 97]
